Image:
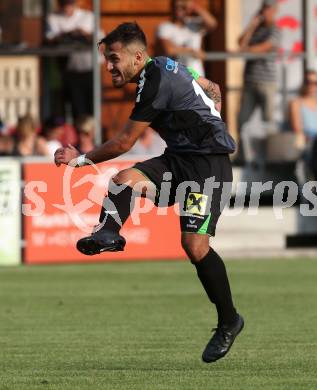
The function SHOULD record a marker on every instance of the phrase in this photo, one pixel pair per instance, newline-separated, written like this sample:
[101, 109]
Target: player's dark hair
[125, 33]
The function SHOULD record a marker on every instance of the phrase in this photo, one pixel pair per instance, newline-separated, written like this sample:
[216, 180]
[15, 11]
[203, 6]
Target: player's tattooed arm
[212, 90]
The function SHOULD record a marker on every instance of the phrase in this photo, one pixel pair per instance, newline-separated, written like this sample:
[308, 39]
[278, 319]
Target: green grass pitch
[144, 326]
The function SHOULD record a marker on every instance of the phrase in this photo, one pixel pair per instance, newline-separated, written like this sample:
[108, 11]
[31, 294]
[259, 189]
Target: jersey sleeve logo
[141, 85]
[171, 65]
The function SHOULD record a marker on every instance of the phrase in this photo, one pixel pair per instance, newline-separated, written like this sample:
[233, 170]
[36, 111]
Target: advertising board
[10, 212]
[62, 205]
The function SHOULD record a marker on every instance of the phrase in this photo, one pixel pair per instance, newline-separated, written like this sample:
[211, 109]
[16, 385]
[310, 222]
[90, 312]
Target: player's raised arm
[120, 144]
[212, 90]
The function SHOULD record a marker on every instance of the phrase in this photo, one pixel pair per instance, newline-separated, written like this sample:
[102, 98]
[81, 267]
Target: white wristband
[81, 160]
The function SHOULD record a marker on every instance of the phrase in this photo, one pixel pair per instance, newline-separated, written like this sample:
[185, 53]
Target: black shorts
[196, 182]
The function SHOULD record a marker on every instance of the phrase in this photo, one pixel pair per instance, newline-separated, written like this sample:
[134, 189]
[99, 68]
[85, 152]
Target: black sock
[116, 209]
[213, 276]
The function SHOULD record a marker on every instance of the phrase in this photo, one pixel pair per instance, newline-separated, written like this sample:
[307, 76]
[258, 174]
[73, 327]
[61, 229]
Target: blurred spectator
[261, 36]
[70, 135]
[85, 127]
[6, 145]
[66, 132]
[3, 128]
[303, 120]
[27, 142]
[70, 25]
[6, 142]
[181, 38]
[53, 131]
[149, 144]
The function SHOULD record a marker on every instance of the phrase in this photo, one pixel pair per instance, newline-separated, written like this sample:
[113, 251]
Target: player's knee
[196, 246]
[122, 177]
[135, 180]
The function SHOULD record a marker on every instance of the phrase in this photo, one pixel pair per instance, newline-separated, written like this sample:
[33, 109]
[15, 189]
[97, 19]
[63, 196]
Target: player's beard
[125, 77]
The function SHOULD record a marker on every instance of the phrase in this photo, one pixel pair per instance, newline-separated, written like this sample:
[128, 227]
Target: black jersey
[169, 97]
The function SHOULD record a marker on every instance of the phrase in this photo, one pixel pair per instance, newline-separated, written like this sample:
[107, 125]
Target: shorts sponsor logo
[196, 203]
[192, 226]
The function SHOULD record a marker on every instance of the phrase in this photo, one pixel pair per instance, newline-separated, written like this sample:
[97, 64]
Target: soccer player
[169, 98]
